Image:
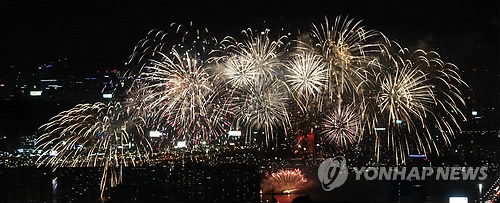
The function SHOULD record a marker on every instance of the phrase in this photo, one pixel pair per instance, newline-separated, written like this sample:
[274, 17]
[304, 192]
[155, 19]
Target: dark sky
[95, 35]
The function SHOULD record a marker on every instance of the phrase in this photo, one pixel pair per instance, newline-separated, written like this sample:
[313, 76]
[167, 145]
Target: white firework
[347, 48]
[264, 107]
[256, 56]
[195, 104]
[306, 76]
[240, 72]
[419, 99]
[342, 126]
[94, 135]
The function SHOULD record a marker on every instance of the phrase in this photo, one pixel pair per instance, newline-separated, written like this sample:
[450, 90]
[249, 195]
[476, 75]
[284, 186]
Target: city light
[107, 96]
[155, 133]
[459, 200]
[181, 144]
[53, 153]
[35, 93]
[234, 133]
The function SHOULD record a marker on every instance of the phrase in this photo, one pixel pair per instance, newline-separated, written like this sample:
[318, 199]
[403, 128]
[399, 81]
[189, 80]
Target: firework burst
[93, 135]
[307, 77]
[342, 126]
[250, 68]
[179, 92]
[195, 104]
[257, 56]
[138, 102]
[263, 106]
[347, 48]
[240, 72]
[419, 96]
[287, 181]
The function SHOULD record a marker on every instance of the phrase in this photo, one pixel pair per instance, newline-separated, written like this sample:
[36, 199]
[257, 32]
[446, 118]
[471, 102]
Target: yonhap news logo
[333, 173]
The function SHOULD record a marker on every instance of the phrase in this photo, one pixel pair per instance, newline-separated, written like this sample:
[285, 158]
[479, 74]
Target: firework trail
[138, 101]
[93, 135]
[287, 181]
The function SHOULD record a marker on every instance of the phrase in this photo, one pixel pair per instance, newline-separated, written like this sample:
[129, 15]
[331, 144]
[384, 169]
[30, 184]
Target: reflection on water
[281, 198]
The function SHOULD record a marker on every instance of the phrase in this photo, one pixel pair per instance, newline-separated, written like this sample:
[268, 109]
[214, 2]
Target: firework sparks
[256, 57]
[263, 106]
[240, 72]
[342, 126]
[417, 92]
[307, 76]
[179, 93]
[138, 103]
[342, 61]
[187, 98]
[339, 62]
[347, 48]
[183, 38]
[93, 135]
[287, 181]
[250, 67]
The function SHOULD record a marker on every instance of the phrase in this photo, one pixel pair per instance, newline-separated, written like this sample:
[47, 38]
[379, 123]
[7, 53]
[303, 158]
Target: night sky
[95, 35]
